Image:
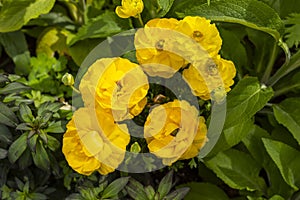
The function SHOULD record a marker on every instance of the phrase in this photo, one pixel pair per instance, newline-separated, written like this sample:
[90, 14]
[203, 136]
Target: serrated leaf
[7, 117]
[14, 14]
[40, 157]
[251, 13]
[115, 187]
[205, 191]
[237, 169]
[245, 100]
[14, 87]
[17, 148]
[165, 185]
[5, 134]
[287, 160]
[287, 114]
[293, 30]
[25, 113]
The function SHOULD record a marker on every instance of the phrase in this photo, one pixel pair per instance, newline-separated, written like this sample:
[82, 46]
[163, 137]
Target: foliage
[257, 154]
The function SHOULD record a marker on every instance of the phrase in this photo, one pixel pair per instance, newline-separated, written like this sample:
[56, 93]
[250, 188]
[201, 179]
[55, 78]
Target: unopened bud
[68, 79]
[135, 148]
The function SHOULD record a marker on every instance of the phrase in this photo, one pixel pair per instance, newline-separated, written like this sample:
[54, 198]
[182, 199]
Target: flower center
[211, 68]
[160, 45]
[197, 35]
[174, 133]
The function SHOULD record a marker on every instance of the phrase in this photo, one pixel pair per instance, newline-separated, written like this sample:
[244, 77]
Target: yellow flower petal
[177, 135]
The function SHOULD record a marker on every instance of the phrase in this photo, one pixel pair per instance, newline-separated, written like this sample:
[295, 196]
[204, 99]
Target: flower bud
[68, 79]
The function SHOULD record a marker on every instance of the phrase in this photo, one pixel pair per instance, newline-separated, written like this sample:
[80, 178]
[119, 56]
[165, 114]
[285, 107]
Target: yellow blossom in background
[217, 72]
[154, 45]
[174, 131]
[130, 8]
[203, 32]
[94, 143]
[115, 84]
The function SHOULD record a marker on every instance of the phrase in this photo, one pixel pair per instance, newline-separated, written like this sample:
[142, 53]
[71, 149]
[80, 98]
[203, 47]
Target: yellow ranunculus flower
[154, 45]
[203, 32]
[218, 73]
[130, 8]
[115, 84]
[94, 142]
[174, 131]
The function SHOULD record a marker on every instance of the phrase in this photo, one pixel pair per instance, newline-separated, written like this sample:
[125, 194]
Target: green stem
[270, 65]
[285, 69]
[140, 20]
[285, 90]
[75, 90]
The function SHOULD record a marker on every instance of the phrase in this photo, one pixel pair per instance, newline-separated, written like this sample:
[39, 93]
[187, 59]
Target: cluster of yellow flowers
[165, 46]
[115, 89]
[93, 140]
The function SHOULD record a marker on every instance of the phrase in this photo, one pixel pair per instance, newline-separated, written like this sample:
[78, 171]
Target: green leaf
[3, 153]
[25, 113]
[40, 157]
[179, 6]
[25, 160]
[163, 7]
[165, 185]
[232, 47]
[17, 148]
[32, 141]
[251, 13]
[14, 87]
[136, 190]
[287, 160]
[24, 127]
[7, 117]
[115, 187]
[5, 134]
[53, 144]
[245, 100]
[255, 146]
[178, 194]
[38, 196]
[82, 48]
[237, 169]
[232, 136]
[56, 127]
[14, 14]
[205, 191]
[53, 40]
[287, 114]
[150, 192]
[49, 106]
[104, 25]
[292, 35]
[16, 47]
[284, 7]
